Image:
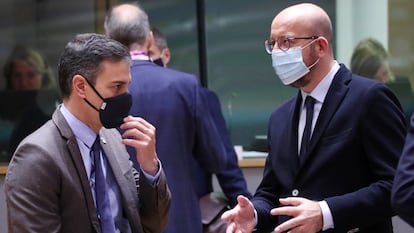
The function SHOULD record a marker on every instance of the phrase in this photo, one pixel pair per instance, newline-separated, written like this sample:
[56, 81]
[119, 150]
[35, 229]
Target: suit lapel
[333, 100]
[121, 168]
[294, 154]
[76, 157]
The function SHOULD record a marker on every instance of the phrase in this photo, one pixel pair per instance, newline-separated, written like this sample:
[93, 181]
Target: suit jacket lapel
[333, 99]
[293, 134]
[121, 168]
[76, 157]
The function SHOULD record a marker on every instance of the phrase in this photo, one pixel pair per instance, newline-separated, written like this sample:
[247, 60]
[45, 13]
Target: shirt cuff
[153, 179]
[327, 216]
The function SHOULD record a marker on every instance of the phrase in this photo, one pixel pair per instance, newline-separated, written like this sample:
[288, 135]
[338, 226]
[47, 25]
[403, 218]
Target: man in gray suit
[53, 178]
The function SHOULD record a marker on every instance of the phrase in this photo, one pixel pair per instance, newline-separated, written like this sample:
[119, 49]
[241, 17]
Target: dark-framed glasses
[283, 43]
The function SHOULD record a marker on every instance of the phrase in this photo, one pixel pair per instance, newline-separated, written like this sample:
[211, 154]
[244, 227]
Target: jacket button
[295, 192]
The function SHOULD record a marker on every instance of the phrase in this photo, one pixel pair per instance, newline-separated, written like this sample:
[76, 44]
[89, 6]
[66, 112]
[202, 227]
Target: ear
[79, 85]
[166, 57]
[323, 46]
[150, 40]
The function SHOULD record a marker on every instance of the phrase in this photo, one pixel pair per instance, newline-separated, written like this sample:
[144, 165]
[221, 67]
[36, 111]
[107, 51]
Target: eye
[283, 43]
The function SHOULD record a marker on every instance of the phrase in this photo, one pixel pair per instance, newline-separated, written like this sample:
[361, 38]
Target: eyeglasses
[283, 43]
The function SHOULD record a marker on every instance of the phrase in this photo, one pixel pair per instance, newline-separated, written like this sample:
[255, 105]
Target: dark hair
[32, 57]
[84, 54]
[128, 24]
[159, 39]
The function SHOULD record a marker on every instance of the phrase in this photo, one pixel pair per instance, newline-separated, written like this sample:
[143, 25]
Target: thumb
[243, 201]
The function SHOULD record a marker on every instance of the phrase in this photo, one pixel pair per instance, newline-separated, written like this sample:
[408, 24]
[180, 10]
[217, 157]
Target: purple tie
[103, 207]
[309, 103]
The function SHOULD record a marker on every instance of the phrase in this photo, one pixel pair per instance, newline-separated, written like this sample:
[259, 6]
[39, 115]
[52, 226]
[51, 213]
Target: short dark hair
[159, 38]
[84, 54]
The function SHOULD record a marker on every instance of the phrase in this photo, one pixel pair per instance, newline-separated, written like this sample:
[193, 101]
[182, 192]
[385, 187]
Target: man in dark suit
[73, 175]
[231, 180]
[170, 100]
[333, 148]
[402, 197]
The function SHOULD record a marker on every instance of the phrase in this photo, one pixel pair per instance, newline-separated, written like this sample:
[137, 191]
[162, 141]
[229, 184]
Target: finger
[137, 130]
[285, 210]
[140, 120]
[291, 201]
[230, 228]
[228, 215]
[289, 226]
[134, 133]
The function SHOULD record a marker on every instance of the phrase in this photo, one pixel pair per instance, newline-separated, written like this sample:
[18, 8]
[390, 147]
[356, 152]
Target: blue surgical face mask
[289, 65]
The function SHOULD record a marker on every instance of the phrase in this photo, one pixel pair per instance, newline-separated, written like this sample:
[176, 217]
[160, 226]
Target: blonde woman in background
[370, 59]
[26, 69]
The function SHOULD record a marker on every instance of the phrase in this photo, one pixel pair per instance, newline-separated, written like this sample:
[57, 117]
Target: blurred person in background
[231, 180]
[28, 74]
[172, 101]
[27, 69]
[370, 59]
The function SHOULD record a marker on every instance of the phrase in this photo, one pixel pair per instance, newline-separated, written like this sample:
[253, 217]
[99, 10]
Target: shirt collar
[80, 130]
[320, 91]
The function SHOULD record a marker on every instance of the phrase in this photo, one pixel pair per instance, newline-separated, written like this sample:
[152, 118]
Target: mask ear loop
[97, 93]
[306, 45]
[317, 60]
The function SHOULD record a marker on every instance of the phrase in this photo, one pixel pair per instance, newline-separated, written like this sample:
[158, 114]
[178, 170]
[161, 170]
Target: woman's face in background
[383, 73]
[25, 76]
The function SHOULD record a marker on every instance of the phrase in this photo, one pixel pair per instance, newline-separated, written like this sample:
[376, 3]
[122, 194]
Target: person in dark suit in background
[333, 148]
[56, 178]
[231, 180]
[172, 101]
[402, 197]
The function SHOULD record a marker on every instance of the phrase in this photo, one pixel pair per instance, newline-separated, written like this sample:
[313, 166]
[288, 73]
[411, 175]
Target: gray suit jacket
[47, 188]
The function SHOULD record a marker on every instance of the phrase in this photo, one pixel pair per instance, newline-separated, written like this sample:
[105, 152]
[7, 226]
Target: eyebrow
[119, 82]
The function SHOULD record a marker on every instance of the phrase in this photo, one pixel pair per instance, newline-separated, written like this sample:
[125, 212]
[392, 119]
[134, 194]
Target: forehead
[289, 23]
[114, 71]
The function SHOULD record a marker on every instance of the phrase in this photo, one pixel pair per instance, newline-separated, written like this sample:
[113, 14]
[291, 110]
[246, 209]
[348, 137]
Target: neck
[138, 47]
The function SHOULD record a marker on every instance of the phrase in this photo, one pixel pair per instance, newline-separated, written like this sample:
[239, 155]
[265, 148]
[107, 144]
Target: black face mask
[113, 109]
[158, 62]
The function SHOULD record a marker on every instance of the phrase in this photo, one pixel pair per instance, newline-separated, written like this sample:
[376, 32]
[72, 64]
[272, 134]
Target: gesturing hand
[241, 218]
[141, 135]
[306, 215]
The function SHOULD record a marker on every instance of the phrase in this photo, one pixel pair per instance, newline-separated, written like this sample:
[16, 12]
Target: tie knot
[309, 102]
[96, 146]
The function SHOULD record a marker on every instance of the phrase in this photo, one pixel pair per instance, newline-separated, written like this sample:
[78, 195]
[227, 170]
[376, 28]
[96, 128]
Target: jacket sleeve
[403, 189]
[31, 190]
[154, 204]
